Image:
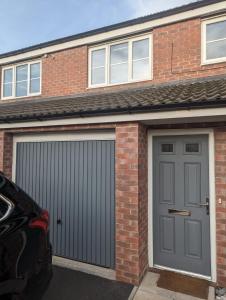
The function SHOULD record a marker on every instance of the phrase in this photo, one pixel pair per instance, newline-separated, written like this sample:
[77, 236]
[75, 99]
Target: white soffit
[180, 116]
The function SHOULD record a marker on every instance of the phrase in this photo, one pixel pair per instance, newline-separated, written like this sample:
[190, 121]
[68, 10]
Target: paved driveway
[73, 285]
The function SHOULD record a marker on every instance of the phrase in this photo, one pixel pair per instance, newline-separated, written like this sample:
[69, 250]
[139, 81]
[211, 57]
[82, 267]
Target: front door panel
[181, 221]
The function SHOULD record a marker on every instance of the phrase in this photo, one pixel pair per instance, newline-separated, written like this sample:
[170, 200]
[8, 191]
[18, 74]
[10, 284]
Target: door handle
[179, 212]
[59, 222]
[206, 205]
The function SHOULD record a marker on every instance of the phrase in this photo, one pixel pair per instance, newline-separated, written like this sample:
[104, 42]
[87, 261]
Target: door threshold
[208, 278]
[83, 267]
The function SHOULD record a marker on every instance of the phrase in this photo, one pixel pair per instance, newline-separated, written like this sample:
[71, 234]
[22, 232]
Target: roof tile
[190, 94]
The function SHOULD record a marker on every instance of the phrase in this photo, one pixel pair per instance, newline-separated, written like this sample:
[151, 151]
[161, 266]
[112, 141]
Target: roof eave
[119, 111]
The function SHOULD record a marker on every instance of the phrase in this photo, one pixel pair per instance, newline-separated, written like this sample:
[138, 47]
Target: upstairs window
[21, 80]
[121, 62]
[214, 43]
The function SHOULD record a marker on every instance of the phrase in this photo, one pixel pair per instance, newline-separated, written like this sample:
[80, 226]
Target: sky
[28, 22]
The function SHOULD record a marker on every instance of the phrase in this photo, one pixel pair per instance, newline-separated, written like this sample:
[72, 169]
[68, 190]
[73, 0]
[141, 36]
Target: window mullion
[130, 60]
[28, 79]
[151, 60]
[14, 82]
[204, 44]
[90, 67]
[108, 57]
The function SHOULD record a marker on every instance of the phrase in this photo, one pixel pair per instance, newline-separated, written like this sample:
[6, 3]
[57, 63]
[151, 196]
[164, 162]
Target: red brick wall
[220, 154]
[65, 72]
[6, 153]
[177, 56]
[177, 53]
[143, 198]
[131, 202]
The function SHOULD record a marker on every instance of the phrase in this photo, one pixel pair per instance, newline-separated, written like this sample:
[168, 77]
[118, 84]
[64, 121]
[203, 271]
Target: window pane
[141, 49]
[35, 71]
[7, 90]
[141, 68]
[168, 148]
[119, 53]
[216, 31]
[35, 85]
[21, 89]
[192, 147]
[119, 63]
[8, 75]
[98, 67]
[98, 76]
[98, 58]
[21, 73]
[216, 50]
[119, 73]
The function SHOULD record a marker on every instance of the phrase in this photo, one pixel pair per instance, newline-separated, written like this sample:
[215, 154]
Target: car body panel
[25, 251]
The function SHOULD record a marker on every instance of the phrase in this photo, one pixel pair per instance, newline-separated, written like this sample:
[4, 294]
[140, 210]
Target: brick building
[120, 132]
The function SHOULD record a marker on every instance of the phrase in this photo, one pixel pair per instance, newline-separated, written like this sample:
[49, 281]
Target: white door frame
[171, 132]
[58, 137]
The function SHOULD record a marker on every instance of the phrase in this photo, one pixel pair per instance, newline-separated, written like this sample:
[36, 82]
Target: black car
[25, 250]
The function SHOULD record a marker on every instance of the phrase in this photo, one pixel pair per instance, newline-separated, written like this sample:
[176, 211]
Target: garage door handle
[59, 222]
[179, 212]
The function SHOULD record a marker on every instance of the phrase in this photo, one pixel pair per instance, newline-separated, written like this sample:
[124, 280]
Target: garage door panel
[75, 182]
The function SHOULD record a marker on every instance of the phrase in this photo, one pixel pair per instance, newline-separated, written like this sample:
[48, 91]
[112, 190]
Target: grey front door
[74, 180]
[181, 221]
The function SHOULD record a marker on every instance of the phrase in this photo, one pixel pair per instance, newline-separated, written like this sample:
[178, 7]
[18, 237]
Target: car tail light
[41, 222]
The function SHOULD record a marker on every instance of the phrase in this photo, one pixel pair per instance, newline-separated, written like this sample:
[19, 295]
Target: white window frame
[13, 67]
[204, 59]
[107, 48]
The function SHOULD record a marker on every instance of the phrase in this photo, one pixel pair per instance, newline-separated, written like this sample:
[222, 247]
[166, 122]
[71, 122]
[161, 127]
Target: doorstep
[148, 290]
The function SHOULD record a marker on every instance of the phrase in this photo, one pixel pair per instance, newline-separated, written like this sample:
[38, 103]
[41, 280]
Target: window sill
[213, 61]
[118, 84]
[22, 97]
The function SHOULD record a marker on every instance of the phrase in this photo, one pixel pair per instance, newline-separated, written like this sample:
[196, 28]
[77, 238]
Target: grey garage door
[181, 191]
[74, 180]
